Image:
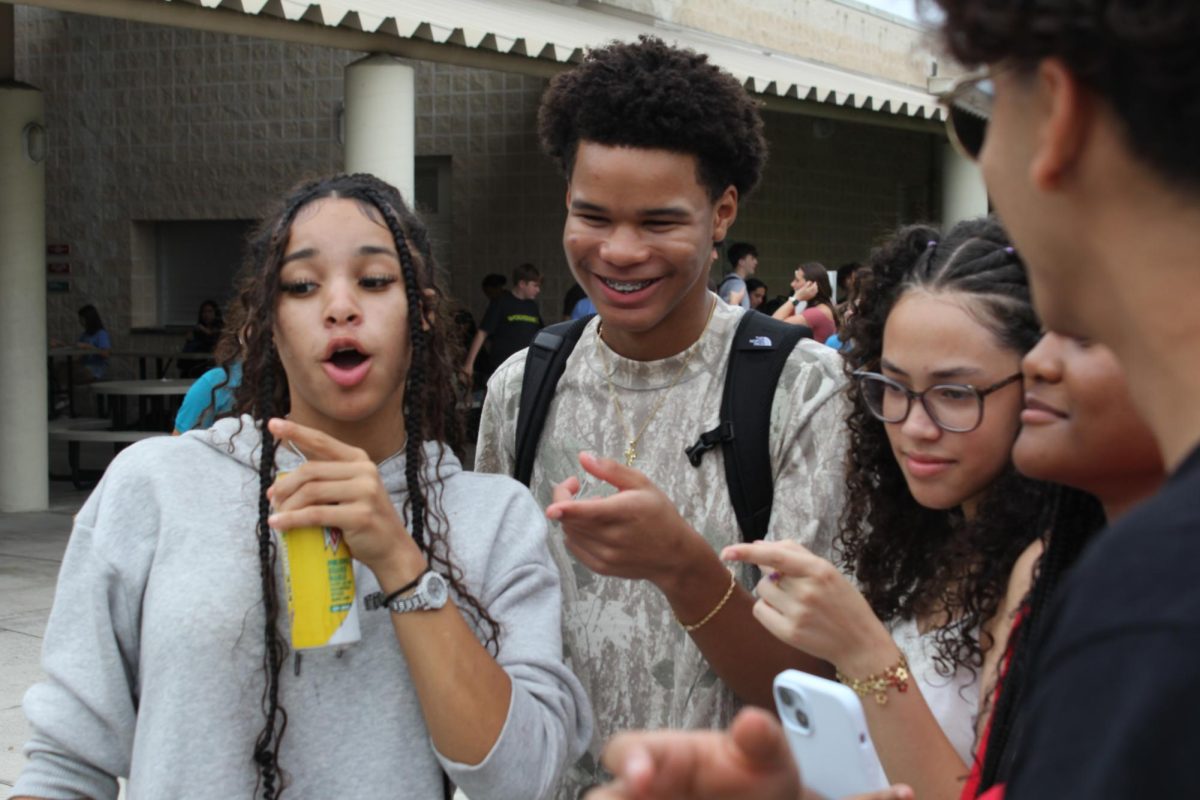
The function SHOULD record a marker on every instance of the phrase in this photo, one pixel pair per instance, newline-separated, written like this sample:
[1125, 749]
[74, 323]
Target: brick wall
[507, 198]
[831, 191]
[154, 123]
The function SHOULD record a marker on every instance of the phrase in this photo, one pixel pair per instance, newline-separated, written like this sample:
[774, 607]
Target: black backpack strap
[544, 365]
[760, 348]
[728, 277]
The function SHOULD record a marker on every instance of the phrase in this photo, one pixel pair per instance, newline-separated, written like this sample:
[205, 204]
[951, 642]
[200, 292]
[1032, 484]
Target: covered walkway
[498, 214]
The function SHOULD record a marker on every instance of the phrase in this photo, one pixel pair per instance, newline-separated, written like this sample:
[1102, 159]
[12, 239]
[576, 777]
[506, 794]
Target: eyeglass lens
[954, 408]
[968, 114]
[970, 130]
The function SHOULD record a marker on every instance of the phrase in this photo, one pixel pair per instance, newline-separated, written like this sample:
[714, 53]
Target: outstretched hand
[339, 487]
[750, 761]
[636, 533]
[807, 602]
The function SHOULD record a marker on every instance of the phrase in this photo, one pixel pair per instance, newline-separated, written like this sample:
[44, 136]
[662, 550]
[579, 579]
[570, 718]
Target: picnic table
[154, 401]
[79, 430]
[69, 352]
[162, 359]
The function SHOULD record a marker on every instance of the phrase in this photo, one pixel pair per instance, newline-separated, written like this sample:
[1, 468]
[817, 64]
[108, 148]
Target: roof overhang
[531, 36]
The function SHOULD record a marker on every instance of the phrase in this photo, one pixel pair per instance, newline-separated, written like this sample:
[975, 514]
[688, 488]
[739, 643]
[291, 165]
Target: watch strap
[376, 600]
[431, 594]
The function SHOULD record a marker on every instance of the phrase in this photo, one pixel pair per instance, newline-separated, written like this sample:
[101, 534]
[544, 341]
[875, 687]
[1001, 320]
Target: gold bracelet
[719, 606]
[896, 675]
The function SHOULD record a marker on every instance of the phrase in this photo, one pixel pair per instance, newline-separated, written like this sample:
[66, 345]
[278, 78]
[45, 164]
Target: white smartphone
[828, 735]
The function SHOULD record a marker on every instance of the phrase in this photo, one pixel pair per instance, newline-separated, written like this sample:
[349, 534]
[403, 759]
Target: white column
[24, 445]
[963, 194]
[380, 120]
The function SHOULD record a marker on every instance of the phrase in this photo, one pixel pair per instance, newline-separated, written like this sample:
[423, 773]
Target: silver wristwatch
[430, 594]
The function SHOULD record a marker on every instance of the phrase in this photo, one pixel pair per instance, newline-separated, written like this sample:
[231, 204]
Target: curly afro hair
[910, 560]
[1140, 56]
[650, 95]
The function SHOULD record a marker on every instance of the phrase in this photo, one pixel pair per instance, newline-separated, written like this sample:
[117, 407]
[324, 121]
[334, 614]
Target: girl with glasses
[167, 652]
[937, 516]
[1079, 429]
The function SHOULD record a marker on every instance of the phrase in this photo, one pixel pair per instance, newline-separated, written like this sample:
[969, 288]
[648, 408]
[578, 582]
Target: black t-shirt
[573, 296]
[1114, 709]
[510, 325]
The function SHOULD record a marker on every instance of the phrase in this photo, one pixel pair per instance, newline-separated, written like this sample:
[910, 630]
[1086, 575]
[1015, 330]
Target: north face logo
[762, 341]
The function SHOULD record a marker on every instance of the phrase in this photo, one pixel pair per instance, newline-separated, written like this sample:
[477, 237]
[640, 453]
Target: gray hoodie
[153, 650]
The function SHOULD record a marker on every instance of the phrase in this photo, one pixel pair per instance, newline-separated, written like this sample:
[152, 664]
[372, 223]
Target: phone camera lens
[788, 697]
[802, 719]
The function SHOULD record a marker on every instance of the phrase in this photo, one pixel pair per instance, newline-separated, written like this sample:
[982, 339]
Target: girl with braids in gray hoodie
[166, 652]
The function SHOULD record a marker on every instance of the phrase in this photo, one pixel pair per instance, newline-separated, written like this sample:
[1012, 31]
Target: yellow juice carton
[320, 588]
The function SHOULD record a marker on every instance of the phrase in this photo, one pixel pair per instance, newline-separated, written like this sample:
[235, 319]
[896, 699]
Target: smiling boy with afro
[658, 148]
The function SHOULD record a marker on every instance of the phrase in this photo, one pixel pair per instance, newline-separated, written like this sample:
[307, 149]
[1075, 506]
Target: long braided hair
[432, 411]
[1069, 520]
[908, 559]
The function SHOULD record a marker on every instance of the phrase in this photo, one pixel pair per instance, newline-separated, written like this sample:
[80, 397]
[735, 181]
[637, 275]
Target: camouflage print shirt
[641, 670]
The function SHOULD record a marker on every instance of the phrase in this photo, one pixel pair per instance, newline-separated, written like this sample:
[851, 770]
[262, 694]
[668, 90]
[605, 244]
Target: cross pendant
[630, 455]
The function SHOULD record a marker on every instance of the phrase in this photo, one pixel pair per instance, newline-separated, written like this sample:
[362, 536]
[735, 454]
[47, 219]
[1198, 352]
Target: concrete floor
[31, 548]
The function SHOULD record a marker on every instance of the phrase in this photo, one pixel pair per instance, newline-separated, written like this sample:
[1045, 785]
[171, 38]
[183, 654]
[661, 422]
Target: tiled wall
[153, 123]
[507, 198]
[831, 191]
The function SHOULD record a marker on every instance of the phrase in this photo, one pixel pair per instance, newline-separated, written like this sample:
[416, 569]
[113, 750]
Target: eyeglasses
[953, 407]
[968, 107]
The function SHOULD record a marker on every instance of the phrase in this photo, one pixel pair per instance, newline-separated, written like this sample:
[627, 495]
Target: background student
[811, 302]
[511, 321]
[743, 263]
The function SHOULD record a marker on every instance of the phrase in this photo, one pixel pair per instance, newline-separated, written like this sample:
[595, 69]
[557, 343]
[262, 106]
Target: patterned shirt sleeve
[495, 448]
[810, 454]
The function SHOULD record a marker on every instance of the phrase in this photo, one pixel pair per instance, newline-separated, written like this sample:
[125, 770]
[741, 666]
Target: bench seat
[86, 479]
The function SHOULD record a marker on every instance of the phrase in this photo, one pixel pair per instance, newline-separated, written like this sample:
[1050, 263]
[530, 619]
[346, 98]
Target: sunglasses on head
[968, 107]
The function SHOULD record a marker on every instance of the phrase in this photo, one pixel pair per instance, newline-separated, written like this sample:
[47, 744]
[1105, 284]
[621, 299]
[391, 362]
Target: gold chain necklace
[631, 453]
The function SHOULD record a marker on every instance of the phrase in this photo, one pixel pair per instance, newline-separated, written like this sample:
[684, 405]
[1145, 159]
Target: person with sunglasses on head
[936, 516]
[1089, 155]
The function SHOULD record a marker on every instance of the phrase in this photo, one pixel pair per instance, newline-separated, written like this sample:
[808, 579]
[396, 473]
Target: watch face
[435, 589]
